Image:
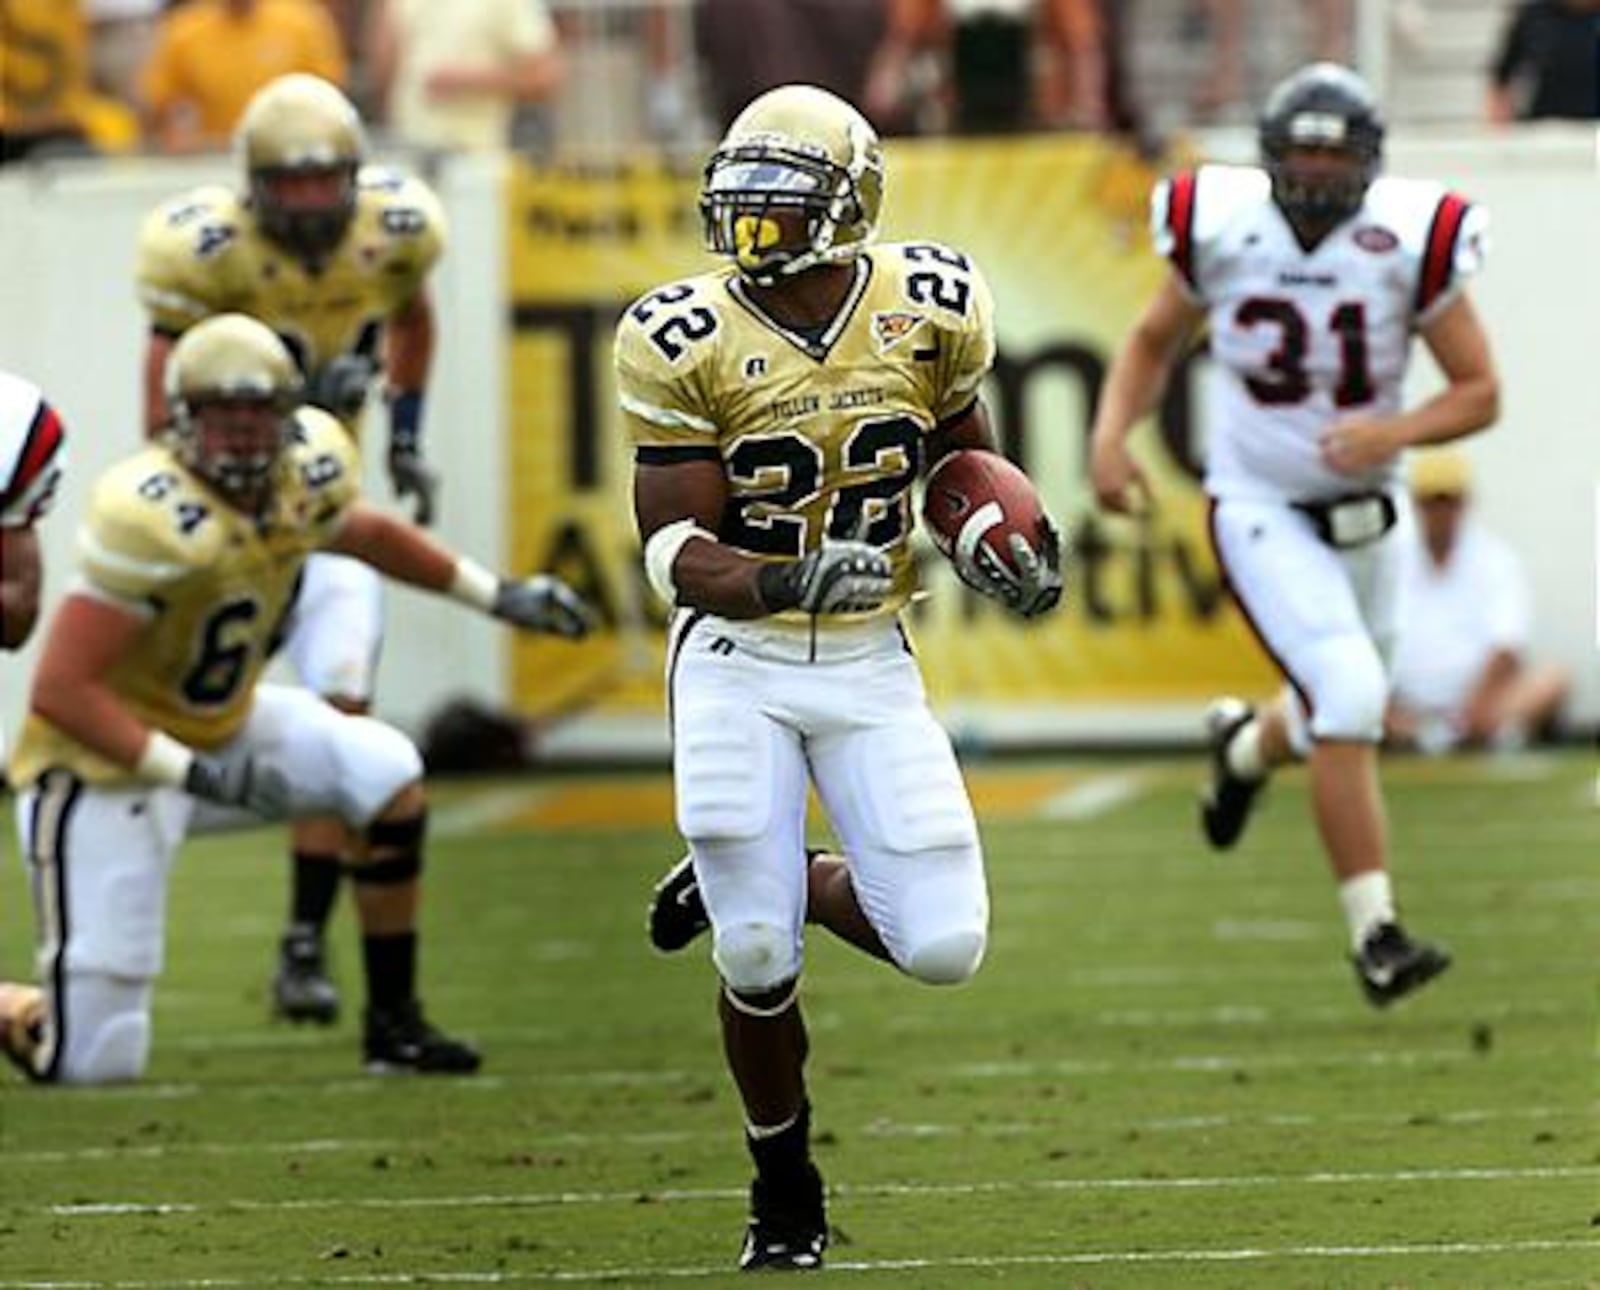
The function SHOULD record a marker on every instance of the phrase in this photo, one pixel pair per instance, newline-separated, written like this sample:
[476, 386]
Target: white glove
[240, 782]
[1036, 589]
[847, 577]
[543, 603]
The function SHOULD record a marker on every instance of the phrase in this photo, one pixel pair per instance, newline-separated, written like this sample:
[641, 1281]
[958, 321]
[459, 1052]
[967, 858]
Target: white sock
[1243, 753]
[1368, 901]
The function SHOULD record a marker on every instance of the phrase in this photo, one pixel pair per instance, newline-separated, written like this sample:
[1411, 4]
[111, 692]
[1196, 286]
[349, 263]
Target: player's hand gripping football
[1033, 587]
[543, 603]
[410, 476]
[842, 576]
[239, 782]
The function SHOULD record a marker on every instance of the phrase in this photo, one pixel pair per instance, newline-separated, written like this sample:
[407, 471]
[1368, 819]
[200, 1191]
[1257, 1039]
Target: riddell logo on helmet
[1375, 238]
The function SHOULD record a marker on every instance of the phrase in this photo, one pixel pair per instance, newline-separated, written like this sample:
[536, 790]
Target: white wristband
[661, 553]
[165, 760]
[474, 585]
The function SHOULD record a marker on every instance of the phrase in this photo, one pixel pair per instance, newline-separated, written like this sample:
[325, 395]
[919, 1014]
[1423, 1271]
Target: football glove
[340, 385]
[410, 476]
[847, 577]
[543, 603]
[1033, 588]
[241, 782]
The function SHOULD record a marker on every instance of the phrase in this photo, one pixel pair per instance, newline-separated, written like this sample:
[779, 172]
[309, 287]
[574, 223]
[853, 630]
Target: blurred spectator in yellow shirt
[44, 78]
[211, 56]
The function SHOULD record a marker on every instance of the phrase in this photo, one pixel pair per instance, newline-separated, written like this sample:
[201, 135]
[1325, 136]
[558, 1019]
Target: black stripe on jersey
[677, 636]
[661, 454]
[1439, 253]
[819, 349]
[55, 797]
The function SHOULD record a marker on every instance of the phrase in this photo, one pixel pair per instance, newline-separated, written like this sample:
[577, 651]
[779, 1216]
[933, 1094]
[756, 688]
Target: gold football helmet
[796, 182]
[302, 142]
[233, 387]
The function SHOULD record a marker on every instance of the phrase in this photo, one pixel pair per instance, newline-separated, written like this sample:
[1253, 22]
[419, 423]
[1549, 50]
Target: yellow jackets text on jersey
[816, 434]
[202, 254]
[214, 583]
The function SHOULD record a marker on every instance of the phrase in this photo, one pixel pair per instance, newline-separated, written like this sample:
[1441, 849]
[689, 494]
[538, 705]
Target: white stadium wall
[71, 323]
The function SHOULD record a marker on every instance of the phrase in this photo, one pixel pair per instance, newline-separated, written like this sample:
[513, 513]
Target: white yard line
[1097, 795]
[1084, 1258]
[690, 1195]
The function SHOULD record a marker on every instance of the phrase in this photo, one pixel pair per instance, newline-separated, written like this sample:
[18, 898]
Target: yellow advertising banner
[1058, 226]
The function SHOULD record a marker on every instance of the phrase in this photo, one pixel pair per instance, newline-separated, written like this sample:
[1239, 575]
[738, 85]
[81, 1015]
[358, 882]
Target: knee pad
[106, 1035]
[950, 959]
[1349, 690]
[755, 957]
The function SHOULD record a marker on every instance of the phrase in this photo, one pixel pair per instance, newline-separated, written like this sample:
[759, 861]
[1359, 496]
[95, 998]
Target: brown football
[974, 496]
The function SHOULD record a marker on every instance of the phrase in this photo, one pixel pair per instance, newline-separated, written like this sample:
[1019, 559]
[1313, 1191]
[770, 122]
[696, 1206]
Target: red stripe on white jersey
[1438, 261]
[1180, 223]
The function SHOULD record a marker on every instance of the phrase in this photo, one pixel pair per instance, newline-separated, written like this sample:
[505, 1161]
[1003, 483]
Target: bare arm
[970, 430]
[707, 574]
[87, 638]
[157, 346]
[1469, 401]
[409, 353]
[1139, 375]
[395, 548]
[21, 574]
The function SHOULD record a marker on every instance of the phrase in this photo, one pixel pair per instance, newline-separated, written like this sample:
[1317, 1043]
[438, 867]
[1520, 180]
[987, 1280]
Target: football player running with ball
[1313, 274]
[334, 256]
[147, 721]
[781, 409]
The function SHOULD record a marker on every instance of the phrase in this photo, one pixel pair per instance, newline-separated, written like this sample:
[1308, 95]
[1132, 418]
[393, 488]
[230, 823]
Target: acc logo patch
[1375, 238]
[889, 329]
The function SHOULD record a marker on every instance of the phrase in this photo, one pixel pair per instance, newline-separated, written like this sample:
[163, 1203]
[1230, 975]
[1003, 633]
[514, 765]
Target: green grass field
[1164, 1074]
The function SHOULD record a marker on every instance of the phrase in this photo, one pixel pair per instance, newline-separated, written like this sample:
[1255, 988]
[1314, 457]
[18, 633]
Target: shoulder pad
[407, 214]
[1446, 235]
[323, 463]
[184, 248]
[1189, 209]
[664, 340]
[133, 541]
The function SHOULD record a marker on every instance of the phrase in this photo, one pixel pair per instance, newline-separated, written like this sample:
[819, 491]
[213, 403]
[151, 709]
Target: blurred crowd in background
[571, 76]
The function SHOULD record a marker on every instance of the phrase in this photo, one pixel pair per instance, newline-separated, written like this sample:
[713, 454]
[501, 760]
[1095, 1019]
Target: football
[976, 497]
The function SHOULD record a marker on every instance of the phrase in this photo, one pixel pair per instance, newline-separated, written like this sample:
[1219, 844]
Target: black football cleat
[788, 1229]
[677, 914]
[301, 987]
[1226, 803]
[400, 1041]
[1390, 965]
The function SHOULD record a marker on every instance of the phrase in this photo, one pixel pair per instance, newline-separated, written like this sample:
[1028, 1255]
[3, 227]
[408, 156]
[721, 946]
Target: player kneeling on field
[147, 721]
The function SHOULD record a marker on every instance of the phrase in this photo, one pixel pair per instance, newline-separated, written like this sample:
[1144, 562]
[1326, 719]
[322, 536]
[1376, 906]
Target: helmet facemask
[1325, 110]
[234, 441]
[293, 213]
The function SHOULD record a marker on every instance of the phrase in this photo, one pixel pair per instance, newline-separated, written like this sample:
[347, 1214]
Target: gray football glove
[543, 603]
[341, 384]
[410, 476]
[240, 782]
[846, 577]
[1036, 589]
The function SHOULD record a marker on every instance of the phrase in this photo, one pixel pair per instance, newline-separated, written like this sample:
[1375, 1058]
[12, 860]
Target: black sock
[391, 963]
[312, 890]
[783, 1155]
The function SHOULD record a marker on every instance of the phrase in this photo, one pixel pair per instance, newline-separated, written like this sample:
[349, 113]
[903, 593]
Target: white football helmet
[233, 387]
[797, 152]
[302, 142]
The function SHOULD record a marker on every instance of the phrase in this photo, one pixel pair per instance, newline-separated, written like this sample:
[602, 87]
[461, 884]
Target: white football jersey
[32, 452]
[1302, 338]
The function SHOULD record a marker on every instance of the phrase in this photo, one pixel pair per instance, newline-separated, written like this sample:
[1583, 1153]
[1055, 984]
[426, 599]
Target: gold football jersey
[202, 254]
[215, 583]
[821, 433]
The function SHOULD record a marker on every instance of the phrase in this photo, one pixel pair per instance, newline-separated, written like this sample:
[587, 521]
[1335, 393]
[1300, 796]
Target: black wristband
[777, 586]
